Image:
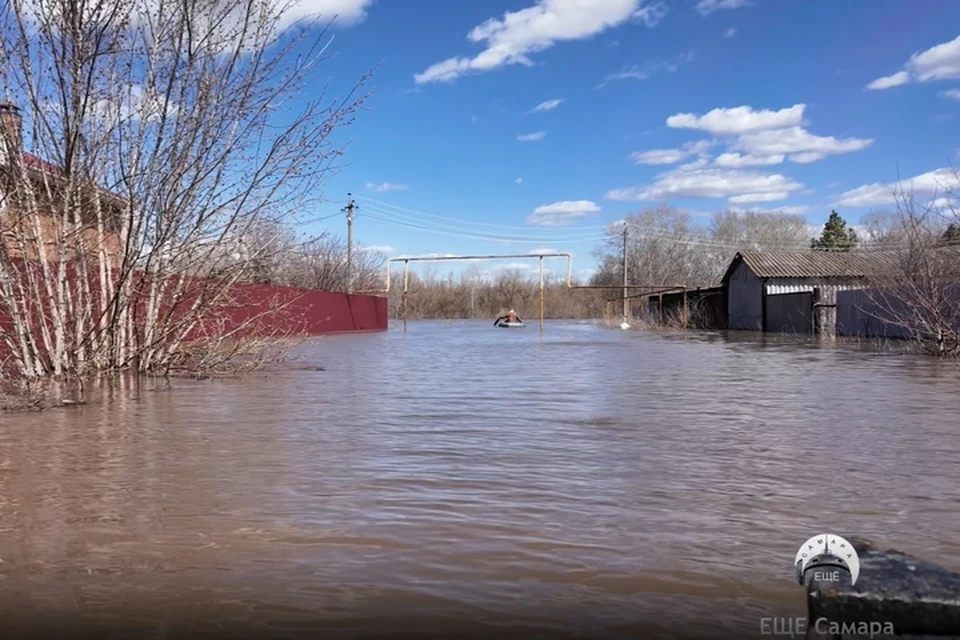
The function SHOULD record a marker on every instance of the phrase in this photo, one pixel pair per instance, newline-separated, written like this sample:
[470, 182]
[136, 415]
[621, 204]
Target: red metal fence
[252, 310]
[305, 311]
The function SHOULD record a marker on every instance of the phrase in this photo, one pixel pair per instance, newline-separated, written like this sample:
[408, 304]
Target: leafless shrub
[697, 316]
[21, 395]
[920, 293]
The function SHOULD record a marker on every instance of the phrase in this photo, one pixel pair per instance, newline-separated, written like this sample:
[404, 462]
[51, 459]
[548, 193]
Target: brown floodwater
[461, 479]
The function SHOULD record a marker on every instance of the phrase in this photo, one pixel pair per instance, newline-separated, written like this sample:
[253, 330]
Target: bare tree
[882, 229]
[663, 248]
[167, 131]
[321, 263]
[919, 294]
[508, 288]
[733, 231]
[667, 247]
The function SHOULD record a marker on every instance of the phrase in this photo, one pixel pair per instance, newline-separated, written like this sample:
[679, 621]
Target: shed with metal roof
[773, 290]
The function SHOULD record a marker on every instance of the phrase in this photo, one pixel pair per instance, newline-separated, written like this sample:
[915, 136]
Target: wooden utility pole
[348, 211]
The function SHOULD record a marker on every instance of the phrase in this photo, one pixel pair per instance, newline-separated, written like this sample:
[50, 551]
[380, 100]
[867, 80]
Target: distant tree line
[667, 246]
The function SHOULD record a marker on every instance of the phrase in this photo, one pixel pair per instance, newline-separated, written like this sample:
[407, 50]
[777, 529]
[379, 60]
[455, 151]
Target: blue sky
[543, 121]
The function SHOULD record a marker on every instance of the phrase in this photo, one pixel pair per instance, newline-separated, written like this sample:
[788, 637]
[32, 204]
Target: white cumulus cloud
[926, 185]
[532, 137]
[888, 82]
[770, 196]
[519, 181]
[798, 144]
[706, 7]
[562, 213]
[765, 137]
[650, 68]
[378, 248]
[753, 138]
[134, 103]
[383, 187]
[670, 156]
[794, 210]
[548, 105]
[431, 255]
[940, 62]
[738, 120]
[515, 266]
[700, 180]
[739, 160]
[732, 31]
[512, 39]
[951, 93]
[346, 11]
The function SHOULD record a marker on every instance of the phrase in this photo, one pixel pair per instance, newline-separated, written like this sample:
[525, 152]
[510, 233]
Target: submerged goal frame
[648, 289]
[515, 256]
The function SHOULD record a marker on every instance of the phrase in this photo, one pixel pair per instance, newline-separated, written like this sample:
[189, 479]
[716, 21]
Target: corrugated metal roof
[777, 286]
[814, 264]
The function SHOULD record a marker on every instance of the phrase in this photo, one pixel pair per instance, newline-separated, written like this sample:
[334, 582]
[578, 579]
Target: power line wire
[476, 236]
[571, 234]
[461, 220]
[489, 238]
[499, 239]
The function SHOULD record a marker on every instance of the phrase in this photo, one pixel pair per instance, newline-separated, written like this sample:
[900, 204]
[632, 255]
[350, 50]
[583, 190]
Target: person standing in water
[511, 316]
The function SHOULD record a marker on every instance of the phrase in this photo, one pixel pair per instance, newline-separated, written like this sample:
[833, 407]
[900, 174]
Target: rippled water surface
[580, 479]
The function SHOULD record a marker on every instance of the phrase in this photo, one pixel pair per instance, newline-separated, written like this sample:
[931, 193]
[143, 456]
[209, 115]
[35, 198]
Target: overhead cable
[571, 234]
[385, 205]
[387, 218]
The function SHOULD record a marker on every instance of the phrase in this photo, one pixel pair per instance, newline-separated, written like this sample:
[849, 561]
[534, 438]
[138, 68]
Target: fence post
[825, 313]
[686, 310]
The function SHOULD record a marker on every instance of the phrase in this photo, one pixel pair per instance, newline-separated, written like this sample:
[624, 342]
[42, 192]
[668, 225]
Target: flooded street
[462, 478]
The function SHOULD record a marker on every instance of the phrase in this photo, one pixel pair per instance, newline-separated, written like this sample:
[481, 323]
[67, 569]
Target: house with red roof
[37, 230]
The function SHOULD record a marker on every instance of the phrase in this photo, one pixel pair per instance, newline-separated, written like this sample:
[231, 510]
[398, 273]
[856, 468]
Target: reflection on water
[578, 479]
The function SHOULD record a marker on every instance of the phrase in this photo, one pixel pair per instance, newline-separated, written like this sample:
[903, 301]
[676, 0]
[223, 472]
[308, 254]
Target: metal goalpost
[406, 260]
